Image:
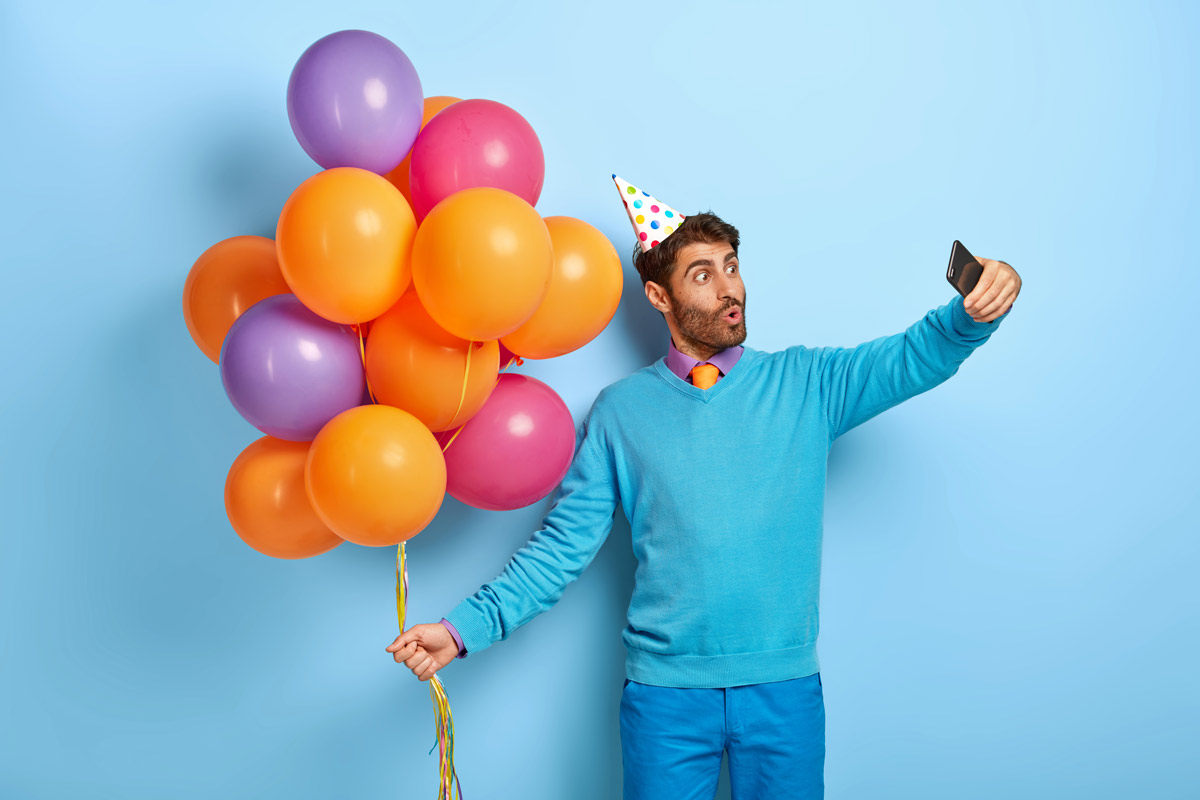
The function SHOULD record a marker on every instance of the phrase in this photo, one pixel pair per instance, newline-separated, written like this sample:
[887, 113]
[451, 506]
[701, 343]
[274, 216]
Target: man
[717, 454]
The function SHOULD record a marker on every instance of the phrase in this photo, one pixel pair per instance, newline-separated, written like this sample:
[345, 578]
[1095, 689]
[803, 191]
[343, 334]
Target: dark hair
[706, 227]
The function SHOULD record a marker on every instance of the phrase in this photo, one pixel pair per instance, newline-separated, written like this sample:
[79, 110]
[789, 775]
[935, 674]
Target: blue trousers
[672, 740]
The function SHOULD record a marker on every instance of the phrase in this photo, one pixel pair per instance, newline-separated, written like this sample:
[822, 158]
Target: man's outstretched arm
[860, 382]
[572, 532]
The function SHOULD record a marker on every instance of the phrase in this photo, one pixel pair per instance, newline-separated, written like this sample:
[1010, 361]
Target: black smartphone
[964, 270]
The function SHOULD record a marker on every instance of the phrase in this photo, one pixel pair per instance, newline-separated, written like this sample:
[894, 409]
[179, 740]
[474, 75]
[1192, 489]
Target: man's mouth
[733, 315]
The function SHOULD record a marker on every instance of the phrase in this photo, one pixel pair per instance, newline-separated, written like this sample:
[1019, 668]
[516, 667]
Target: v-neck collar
[711, 393]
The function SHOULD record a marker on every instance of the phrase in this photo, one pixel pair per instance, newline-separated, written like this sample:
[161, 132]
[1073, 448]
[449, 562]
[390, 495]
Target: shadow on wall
[250, 165]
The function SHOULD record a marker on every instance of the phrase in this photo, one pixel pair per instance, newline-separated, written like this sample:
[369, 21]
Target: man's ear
[657, 297]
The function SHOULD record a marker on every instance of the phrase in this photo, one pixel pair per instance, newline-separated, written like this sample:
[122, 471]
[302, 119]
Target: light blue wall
[1006, 605]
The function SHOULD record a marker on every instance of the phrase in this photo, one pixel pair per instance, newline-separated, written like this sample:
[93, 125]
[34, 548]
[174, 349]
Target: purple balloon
[288, 371]
[354, 100]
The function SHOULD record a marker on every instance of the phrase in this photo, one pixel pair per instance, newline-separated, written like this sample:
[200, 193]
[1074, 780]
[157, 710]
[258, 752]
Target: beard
[705, 329]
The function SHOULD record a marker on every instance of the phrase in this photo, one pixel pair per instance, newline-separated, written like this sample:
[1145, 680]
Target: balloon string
[516, 358]
[444, 724]
[362, 351]
[462, 396]
[443, 719]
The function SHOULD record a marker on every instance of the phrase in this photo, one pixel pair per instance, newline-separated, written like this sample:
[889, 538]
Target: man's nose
[728, 288]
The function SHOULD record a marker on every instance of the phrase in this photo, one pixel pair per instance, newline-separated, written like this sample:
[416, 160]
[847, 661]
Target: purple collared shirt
[680, 364]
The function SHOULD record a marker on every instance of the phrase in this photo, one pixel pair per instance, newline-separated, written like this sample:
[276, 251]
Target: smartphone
[964, 270]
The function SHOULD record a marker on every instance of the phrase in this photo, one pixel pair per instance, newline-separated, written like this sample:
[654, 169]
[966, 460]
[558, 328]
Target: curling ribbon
[443, 719]
[362, 351]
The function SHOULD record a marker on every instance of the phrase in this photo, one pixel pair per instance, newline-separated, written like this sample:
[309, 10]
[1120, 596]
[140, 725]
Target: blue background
[1008, 591]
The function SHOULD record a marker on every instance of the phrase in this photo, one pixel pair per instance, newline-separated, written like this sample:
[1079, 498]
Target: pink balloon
[515, 450]
[475, 143]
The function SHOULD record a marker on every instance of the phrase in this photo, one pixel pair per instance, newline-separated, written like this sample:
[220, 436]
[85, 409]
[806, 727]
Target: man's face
[708, 298]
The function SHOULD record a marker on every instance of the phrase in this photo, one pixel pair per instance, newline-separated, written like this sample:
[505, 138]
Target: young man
[717, 454]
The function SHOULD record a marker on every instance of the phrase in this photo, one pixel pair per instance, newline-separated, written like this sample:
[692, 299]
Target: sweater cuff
[471, 626]
[462, 653]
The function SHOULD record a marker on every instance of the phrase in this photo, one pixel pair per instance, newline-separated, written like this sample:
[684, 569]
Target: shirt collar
[682, 364]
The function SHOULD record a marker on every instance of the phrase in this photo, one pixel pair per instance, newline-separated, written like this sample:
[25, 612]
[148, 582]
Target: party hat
[652, 220]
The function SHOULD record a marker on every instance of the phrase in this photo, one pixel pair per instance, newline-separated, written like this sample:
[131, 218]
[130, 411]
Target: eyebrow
[707, 262]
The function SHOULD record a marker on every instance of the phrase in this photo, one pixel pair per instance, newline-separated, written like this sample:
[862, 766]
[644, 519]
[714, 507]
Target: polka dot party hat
[652, 221]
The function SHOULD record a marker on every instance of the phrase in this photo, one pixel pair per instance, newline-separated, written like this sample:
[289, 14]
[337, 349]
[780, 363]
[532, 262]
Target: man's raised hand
[424, 649]
[995, 292]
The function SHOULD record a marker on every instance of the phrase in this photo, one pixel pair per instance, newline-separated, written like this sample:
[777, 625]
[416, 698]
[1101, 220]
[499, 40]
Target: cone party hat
[652, 220]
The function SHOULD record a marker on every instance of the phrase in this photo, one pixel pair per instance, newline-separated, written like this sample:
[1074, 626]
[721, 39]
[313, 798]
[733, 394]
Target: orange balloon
[375, 475]
[225, 280]
[399, 176]
[415, 365]
[583, 295]
[267, 503]
[481, 262]
[344, 241]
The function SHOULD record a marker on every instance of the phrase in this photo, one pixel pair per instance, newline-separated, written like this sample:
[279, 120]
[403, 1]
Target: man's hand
[995, 292]
[424, 649]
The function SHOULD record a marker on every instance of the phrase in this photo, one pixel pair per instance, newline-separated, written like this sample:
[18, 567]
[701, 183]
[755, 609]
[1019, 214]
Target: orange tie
[704, 375]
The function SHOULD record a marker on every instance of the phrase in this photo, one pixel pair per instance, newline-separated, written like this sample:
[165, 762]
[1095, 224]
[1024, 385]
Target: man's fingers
[995, 305]
[418, 661]
[985, 299]
[427, 673]
[406, 652]
[990, 268]
[401, 640]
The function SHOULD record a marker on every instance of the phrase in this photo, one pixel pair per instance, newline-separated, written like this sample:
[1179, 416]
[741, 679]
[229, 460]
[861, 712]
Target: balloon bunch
[365, 340]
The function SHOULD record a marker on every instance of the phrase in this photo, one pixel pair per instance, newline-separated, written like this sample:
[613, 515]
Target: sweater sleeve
[859, 382]
[572, 532]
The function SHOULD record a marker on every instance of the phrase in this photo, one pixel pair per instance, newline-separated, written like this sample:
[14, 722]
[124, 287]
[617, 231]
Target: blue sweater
[724, 491]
